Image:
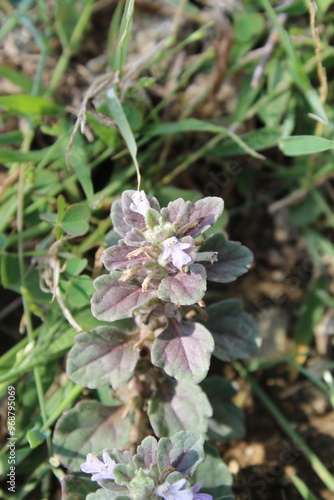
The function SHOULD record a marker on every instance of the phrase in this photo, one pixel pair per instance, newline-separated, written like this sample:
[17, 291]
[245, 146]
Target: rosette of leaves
[158, 470]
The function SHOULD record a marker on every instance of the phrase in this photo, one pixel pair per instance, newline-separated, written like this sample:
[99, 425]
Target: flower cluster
[151, 473]
[156, 259]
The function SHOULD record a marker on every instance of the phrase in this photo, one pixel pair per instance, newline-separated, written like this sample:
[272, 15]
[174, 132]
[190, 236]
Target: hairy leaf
[103, 356]
[233, 259]
[87, 428]
[183, 451]
[146, 453]
[235, 333]
[115, 299]
[183, 350]
[213, 474]
[178, 406]
[76, 488]
[184, 288]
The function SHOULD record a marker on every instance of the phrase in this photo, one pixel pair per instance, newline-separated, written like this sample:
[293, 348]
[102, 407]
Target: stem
[28, 137]
[314, 460]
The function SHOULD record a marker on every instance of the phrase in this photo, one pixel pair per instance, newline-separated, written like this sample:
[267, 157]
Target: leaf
[36, 436]
[183, 350]
[16, 77]
[79, 163]
[235, 333]
[227, 421]
[115, 299]
[213, 475]
[75, 220]
[115, 257]
[183, 451]
[102, 494]
[87, 428]
[77, 488]
[106, 133]
[260, 139]
[184, 288]
[178, 406]
[79, 291]
[28, 104]
[298, 145]
[145, 457]
[103, 356]
[75, 266]
[233, 259]
[120, 118]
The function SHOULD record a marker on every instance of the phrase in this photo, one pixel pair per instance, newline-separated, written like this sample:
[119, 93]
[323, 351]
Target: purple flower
[173, 491]
[200, 496]
[99, 469]
[173, 250]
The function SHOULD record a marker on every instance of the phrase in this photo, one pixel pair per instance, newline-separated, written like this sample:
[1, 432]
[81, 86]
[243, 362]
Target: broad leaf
[213, 475]
[103, 356]
[28, 104]
[304, 145]
[146, 453]
[178, 406]
[87, 428]
[75, 220]
[115, 257]
[184, 288]
[227, 421]
[183, 451]
[233, 259]
[235, 333]
[77, 488]
[183, 350]
[115, 299]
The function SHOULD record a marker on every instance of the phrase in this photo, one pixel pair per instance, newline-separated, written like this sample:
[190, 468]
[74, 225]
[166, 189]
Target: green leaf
[177, 406]
[80, 165]
[75, 220]
[103, 356]
[105, 133]
[87, 428]
[298, 145]
[75, 266]
[28, 104]
[248, 25]
[260, 139]
[235, 332]
[79, 291]
[77, 488]
[16, 77]
[11, 137]
[213, 475]
[120, 118]
[36, 436]
[227, 421]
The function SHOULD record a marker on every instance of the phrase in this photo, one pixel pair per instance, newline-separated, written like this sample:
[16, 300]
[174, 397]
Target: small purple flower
[173, 250]
[140, 203]
[99, 469]
[200, 496]
[173, 491]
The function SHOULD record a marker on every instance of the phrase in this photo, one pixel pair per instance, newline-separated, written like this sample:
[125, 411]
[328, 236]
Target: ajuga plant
[148, 366]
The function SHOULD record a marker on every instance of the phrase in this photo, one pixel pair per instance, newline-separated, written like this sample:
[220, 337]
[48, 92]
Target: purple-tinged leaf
[184, 288]
[213, 475]
[76, 488]
[115, 258]
[227, 422]
[178, 406]
[183, 451]
[235, 332]
[183, 350]
[131, 217]
[233, 259]
[101, 357]
[117, 218]
[146, 453]
[115, 299]
[87, 428]
[192, 219]
[135, 238]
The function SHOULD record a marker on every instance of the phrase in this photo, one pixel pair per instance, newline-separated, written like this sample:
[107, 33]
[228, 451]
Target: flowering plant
[157, 278]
